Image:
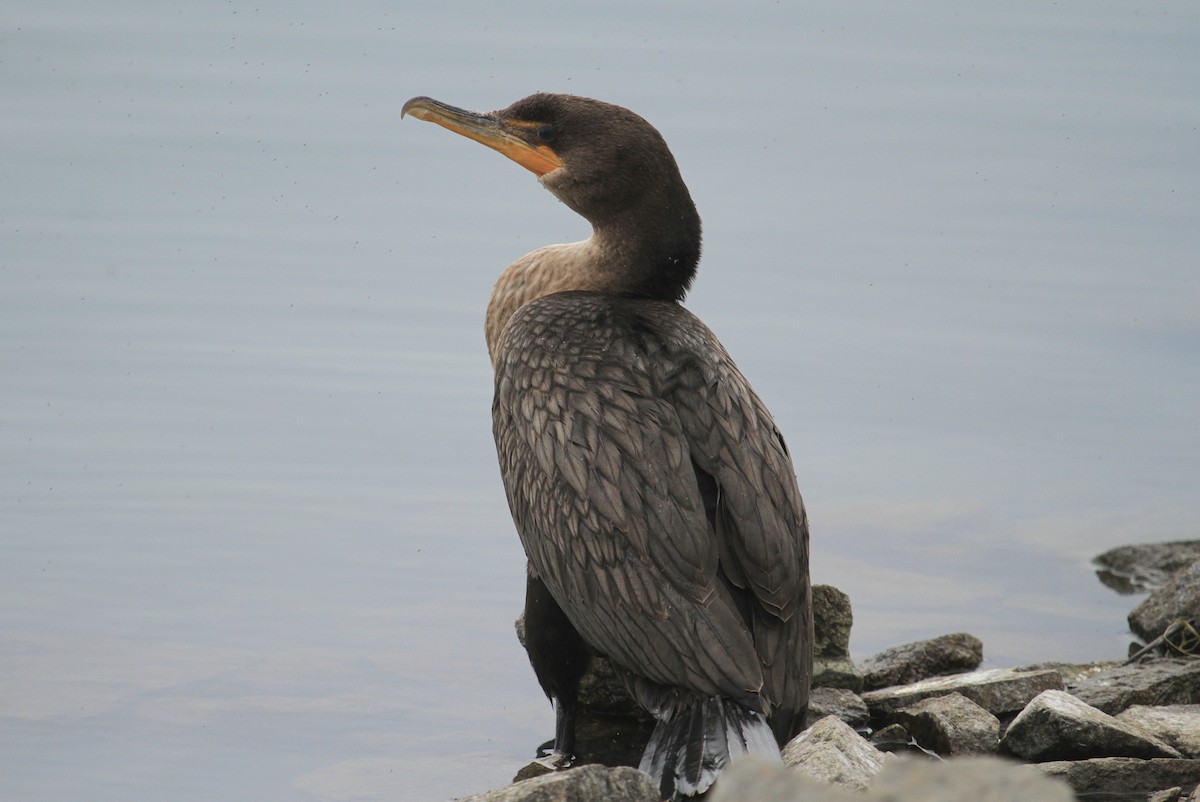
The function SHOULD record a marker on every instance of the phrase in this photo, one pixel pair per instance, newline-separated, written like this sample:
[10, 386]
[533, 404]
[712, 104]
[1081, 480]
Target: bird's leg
[559, 658]
[564, 726]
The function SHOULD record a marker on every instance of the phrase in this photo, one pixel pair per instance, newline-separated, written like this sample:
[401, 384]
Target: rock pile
[930, 726]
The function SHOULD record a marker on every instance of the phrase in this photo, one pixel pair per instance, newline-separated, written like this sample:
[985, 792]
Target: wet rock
[1162, 681]
[846, 705]
[832, 619]
[951, 725]
[1122, 778]
[759, 780]
[832, 752]
[1177, 725]
[936, 657]
[1057, 726]
[621, 784]
[1178, 599]
[979, 779]
[1137, 569]
[998, 691]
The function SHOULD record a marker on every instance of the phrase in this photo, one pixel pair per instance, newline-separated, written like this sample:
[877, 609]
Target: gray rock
[832, 619]
[622, 784]
[936, 657]
[1057, 726]
[1110, 777]
[998, 691]
[1168, 795]
[1177, 725]
[951, 725]
[1178, 598]
[979, 779]
[759, 780]
[1074, 673]
[892, 738]
[832, 752]
[846, 705]
[602, 691]
[1164, 681]
[1136, 569]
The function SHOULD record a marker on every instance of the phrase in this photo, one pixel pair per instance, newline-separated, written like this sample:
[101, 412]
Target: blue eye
[545, 132]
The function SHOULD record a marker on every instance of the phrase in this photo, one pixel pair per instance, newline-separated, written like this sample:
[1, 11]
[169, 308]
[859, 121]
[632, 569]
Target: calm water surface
[254, 545]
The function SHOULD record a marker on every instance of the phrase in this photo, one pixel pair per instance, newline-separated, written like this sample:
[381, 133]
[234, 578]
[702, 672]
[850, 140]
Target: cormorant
[654, 495]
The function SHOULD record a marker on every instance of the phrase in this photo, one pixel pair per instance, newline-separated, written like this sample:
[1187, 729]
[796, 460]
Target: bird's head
[598, 158]
[610, 166]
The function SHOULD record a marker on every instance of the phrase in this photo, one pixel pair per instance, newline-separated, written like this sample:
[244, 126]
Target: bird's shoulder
[589, 335]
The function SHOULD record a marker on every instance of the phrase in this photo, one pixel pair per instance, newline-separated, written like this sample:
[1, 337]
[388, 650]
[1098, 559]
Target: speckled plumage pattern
[653, 494]
[655, 498]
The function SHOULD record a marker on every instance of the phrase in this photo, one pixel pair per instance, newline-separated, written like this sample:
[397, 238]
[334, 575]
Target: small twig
[1188, 642]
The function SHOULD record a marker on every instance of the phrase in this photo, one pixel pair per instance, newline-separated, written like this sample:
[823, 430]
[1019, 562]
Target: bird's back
[655, 498]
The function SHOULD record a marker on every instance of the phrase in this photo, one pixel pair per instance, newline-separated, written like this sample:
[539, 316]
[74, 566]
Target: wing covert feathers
[654, 496]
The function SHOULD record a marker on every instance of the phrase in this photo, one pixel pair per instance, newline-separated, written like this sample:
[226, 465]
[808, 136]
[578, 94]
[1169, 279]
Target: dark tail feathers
[689, 748]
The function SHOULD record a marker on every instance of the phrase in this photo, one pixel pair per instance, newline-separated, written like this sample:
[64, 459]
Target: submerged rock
[936, 657]
[1057, 726]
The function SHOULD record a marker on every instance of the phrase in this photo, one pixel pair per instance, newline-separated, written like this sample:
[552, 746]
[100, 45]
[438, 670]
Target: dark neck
[656, 248]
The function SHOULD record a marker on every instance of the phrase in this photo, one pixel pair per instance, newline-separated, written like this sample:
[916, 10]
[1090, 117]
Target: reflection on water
[254, 542]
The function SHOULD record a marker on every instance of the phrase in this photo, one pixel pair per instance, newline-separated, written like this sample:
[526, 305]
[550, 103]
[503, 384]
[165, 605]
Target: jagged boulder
[1057, 726]
[832, 752]
[951, 725]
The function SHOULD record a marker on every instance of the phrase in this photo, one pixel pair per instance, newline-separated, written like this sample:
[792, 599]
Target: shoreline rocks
[1101, 730]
